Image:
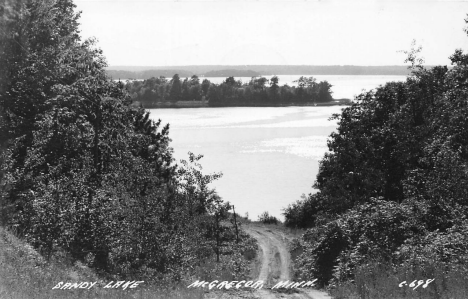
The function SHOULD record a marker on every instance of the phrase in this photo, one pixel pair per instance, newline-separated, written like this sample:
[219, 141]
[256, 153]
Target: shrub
[302, 213]
[266, 218]
[331, 252]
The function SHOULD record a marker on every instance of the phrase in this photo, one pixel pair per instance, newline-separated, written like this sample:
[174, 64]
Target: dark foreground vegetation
[259, 91]
[87, 175]
[392, 204]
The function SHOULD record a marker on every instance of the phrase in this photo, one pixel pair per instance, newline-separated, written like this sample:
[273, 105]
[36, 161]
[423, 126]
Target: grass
[290, 232]
[378, 281]
[25, 274]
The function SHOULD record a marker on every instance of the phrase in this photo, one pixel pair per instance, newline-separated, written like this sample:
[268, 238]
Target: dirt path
[276, 263]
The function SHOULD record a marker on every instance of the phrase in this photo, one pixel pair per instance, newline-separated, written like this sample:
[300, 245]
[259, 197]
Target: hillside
[145, 72]
[25, 274]
[232, 73]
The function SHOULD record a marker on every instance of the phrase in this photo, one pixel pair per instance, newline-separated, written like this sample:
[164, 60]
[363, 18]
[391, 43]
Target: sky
[274, 32]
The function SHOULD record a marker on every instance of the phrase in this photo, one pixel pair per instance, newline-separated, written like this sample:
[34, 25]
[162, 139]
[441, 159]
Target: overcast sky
[240, 32]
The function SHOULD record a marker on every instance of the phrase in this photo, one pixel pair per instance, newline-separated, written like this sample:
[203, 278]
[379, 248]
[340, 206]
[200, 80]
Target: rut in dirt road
[275, 256]
[276, 262]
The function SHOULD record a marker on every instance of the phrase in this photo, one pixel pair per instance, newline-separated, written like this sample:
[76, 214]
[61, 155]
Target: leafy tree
[194, 185]
[302, 213]
[195, 92]
[214, 95]
[205, 87]
[176, 89]
[85, 171]
[194, 80]
[219, 210]
[230, 81]
[185, 96]
[405, 144]
[265, 217]
[324, 93]
[307, 88]
[274, 89]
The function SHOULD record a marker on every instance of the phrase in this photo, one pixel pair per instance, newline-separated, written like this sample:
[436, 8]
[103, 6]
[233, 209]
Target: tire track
[276, 263]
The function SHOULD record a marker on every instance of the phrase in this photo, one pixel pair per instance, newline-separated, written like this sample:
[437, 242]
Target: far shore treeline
[259, 91]
[146, 72]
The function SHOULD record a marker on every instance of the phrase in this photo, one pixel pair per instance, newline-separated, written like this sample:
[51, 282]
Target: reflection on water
[312, 147]
[269, 156]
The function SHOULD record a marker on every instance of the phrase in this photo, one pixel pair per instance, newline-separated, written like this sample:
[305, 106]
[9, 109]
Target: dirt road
[275, 263]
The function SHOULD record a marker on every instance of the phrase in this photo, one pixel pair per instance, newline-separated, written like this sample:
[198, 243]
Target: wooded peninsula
[259, 91]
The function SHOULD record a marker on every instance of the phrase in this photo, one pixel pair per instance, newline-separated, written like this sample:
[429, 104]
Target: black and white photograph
[252, 149]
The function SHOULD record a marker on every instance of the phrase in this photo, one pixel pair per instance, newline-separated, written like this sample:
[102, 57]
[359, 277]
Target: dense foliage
[394, 187]
[259, 91]
[86, 172]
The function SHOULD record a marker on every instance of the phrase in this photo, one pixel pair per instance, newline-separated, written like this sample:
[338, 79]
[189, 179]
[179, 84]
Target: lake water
[344, 86]
[268, 156]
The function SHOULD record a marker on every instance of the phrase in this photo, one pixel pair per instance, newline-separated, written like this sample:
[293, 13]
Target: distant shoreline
[146, 72]
[200, 104]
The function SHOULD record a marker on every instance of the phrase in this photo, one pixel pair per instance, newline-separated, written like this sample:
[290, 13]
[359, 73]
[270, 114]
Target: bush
[406, 144]
[331, 252]
[266, 218]
[380, 280]
[302, 213]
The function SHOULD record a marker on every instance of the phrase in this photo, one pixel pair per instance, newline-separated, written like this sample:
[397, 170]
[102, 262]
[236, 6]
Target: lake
[268, 156]
[344, 86]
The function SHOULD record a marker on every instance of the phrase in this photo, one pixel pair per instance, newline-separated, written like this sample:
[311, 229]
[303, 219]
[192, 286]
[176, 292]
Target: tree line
[134, 72]
[393, 191]
[86, 172]
[259, 91]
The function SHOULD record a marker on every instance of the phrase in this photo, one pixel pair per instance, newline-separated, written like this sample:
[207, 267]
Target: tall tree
[176, 89]
[205, 86]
